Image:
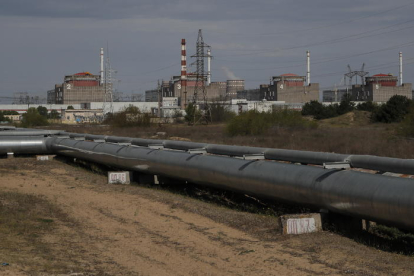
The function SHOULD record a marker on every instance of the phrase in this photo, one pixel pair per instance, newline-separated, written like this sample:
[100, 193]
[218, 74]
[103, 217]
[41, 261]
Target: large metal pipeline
[24, 145]
[374, 197]
[25, 132]
[7, 128]
[385, 164]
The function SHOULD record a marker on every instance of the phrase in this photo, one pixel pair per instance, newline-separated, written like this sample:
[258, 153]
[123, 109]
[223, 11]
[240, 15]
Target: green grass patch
[258, 123]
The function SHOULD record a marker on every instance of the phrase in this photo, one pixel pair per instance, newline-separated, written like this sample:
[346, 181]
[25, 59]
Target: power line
[325, 60]
[341, 73]
[324, 26]
[331, 41]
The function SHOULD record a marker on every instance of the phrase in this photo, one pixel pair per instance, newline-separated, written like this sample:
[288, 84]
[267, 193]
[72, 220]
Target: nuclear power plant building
[289, 88]
[78, 88]
[380, 88]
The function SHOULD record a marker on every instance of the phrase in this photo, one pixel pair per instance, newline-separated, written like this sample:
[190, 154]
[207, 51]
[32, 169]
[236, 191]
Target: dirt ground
[102, 229]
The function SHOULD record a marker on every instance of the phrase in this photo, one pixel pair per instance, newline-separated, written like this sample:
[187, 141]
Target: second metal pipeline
[374, 197]
[385, 164]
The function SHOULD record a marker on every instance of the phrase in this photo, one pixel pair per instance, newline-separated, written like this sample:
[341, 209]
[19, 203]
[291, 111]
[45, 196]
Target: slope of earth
[101, 229]
[350, 119]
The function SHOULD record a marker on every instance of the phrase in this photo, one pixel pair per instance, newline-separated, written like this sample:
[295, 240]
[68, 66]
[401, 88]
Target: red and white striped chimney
[183, 92]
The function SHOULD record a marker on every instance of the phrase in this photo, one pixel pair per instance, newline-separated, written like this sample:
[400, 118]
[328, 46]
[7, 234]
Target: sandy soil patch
[132, 230]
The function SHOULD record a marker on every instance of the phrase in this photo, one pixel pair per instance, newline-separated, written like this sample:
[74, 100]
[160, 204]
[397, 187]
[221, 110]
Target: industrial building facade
[291, 88]
[79, 88]
[215, 91]
[377, 88]
[288, 88]
[380, 88]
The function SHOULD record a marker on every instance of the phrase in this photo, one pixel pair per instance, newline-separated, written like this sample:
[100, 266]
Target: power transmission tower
[200, 87]
[109, 83]
[350, 75]
[159, 90]
[362, 73]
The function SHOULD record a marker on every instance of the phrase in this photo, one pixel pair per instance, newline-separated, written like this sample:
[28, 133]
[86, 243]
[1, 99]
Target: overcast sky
[43, 40]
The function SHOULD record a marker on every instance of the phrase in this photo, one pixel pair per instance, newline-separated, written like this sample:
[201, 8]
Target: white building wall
[22, 108]
[144, 107]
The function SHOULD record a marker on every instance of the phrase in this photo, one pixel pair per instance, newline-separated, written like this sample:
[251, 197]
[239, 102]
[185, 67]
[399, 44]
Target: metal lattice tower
[21, 98]
[350, 75]
[109, 81]
[200, 87]
[361, 73]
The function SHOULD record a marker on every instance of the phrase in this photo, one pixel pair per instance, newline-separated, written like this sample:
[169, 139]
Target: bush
[54, 114]
[312, 108]
[320, 111]
[407, 125]
[33, 118]
[130, 116]
[346, 105]
[3, 118]
[192, 114]
[9, 112]
[256, 123]
[394, 110]
[42, 111]
[221, 112]
[368, 106]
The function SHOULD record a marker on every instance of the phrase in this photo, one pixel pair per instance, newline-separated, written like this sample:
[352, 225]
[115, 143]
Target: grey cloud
[43, 40]
[192, 10]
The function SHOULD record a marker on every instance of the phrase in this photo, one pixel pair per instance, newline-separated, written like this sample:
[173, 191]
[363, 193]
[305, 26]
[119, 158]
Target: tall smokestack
[401, 69]
[183, 92]
[208, 66]
[102, 66]
[308, 67]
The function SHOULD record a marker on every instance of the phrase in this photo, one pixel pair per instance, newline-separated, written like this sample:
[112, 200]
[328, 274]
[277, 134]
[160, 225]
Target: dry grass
[25, 220]
[349, 134]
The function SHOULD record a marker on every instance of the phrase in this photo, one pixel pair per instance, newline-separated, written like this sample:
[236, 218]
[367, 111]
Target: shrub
[256, 123]
[178, 116]
[394, 110]
[192, 114]
[3, 118]
[42, 111]
[346, 105]
[130, 116]
[320, 111]
[33, 118]
[9, 112]
[312, 108]
[407, 125]
[54, 114]
[220, 112]
[368, 106]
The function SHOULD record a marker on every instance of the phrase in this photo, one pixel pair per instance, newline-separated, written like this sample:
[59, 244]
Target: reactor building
[82, 87]
[78, 88]
[380, 88]
[289, 88]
